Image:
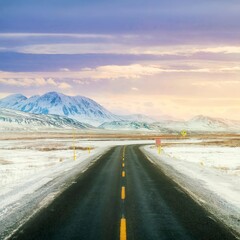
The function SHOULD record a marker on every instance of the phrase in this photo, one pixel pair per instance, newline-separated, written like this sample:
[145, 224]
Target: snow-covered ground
[34, 172]
[210, 174]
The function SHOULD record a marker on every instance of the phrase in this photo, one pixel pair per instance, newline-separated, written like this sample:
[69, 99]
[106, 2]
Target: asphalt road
[123, 196]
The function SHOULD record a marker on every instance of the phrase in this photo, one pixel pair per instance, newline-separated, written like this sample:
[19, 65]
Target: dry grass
[223, 168]
[221, 143]
[228, 140]
[47, 149]
[224, 143]
[4, 162]
[107, 135]
[30, 136]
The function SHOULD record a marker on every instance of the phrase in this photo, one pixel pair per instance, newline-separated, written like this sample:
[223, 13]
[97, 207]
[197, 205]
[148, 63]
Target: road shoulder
[218, 208]
[18, 212]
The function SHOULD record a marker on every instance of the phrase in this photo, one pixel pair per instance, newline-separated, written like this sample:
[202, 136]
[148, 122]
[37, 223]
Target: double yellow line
[123, 223]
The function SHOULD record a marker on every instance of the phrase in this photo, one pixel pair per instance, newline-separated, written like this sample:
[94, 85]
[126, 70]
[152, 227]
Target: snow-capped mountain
[85, 110]
[126, 126]
[204, 123]
[137, 126]
[18, 120]
[201, 123]
[138, 118]
[12, 100]
[79, 108]
[196, 124]
[216, 124]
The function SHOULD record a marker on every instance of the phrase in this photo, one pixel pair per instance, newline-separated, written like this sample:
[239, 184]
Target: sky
[162, 58]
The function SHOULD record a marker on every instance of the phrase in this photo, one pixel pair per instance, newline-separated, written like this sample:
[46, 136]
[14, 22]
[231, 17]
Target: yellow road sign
[184, 133]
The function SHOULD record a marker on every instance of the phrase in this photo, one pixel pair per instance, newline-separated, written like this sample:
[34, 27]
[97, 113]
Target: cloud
[139, 16]
[51, 81]
[136, 71]
[39, 82]
[114, 72]
[230, 69]
[64, 69]
[71, 48]
[148, 104]
[121, 46]
[64, 85]
[132, 71]
[24, 82]
[134, 89]
[216, 83]
[34, 82]
[54, 35]
[221, 49]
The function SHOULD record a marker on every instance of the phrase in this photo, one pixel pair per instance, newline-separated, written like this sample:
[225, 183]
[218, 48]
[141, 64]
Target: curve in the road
[123, 196]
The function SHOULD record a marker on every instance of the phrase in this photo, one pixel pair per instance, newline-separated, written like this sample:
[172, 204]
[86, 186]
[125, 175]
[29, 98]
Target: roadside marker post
[158, 145]
[159, 149]
[74, 148]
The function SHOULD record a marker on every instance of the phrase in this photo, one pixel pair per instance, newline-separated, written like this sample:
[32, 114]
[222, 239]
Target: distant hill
[56, 109]
[196, 124]
[126, 126]
[11, 120]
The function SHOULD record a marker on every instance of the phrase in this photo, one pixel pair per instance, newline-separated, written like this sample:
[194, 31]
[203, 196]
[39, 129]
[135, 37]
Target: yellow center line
[123, 194]
[123, 174]
[123, 155]
[123, 229]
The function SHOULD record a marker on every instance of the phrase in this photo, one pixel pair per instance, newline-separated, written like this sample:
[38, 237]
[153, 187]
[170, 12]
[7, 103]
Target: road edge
[43, 197]
[218, 214]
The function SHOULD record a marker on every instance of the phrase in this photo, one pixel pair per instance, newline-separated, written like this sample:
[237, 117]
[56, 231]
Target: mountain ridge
[84, 110]
[18, 120]
[79, 108]
[196, 124]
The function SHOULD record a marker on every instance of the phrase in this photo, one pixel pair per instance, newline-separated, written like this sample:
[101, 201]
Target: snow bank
[211, 175]
[34, 172]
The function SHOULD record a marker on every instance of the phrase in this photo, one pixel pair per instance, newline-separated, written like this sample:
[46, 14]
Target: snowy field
[21, 160]
[210, 174]
[34, 172]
